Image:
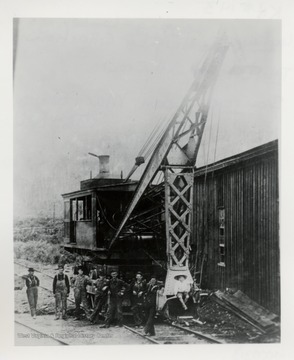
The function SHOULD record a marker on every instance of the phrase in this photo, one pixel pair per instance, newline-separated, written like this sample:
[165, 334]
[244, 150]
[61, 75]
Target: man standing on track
[150, 305]
[138, 290]
[101, 286]
[61, 291]
[117, 289]
[32, 283]
[79, 284]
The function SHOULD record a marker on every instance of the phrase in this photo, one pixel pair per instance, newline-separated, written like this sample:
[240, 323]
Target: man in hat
[138, 289]
[150, 305]
[32, 283]
[101, 289]
[79, 283]
[94, 274]
[116, 291]
[61, 290]
[195, 294]
[182, 289]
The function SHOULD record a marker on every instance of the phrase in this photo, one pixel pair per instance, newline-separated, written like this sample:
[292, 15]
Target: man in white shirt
[182, 289]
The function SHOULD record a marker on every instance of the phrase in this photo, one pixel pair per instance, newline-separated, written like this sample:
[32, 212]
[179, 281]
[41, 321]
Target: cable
[216, 139]
[160, 130]
[209, 139]
[154, 144]
[157, 262]
[147, 142]
[103, 214]
[149, 145]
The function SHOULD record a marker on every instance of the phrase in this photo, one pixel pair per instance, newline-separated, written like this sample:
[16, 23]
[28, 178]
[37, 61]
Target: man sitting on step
[182, 289]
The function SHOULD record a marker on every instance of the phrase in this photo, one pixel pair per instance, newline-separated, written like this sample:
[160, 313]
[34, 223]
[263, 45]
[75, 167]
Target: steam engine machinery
[147, 224]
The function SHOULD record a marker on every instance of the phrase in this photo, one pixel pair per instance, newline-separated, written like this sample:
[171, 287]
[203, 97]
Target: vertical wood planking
[250, 199]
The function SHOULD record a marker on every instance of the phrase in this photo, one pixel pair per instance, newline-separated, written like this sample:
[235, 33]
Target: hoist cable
[150, 137]
[209, 139]
[155, 143]
[145, 145]
[157, 137]
[216, 138]
[103, 214]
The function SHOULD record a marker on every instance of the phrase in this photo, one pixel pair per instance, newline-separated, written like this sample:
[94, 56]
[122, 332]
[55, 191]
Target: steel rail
[40, 332]
[72, 301]
[186, 330]
[42, 287]
[200, 335]
[142, 335]
[36, 270]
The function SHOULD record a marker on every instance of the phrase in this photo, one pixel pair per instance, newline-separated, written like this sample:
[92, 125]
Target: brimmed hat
[31, 269]
[60, 267]
[139, 273]
[177, 277]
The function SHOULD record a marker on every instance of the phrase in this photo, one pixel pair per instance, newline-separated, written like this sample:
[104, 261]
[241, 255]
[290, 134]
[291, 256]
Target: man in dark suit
[150, 305]
[138, 289]
[116, 291]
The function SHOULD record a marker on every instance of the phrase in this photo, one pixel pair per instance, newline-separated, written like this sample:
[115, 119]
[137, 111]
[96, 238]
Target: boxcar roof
[258, 152]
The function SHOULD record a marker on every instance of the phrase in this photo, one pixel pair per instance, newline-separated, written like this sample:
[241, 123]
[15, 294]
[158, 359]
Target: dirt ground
[69, 331]
[213, 319]
[72, 332]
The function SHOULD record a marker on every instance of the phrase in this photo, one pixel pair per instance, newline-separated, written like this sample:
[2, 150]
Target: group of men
[108, 298]
[111, 292]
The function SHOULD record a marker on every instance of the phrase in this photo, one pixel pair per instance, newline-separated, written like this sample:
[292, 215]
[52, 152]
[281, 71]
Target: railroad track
[36, 270]
[41, 286]
[169, 333]
[43, 335]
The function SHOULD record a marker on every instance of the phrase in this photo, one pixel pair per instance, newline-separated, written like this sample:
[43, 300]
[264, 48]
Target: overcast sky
[100, 86]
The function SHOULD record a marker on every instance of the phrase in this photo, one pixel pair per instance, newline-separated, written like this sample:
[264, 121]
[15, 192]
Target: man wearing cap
[79, 283]
[195, 294]
[138, 289]
[32, 283]
[150, 305]
[61, 290]
[94, 274]
[101, 288]
[116, 291]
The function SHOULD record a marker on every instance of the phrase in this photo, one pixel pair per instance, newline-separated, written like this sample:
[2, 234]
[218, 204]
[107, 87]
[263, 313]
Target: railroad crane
[175, 156]
[132, 225]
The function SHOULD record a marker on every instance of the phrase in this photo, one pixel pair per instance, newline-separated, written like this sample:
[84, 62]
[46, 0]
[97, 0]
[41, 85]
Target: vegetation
[40, 240]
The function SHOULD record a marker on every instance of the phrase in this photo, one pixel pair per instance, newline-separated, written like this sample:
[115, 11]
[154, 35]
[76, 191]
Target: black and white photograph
[146, 196]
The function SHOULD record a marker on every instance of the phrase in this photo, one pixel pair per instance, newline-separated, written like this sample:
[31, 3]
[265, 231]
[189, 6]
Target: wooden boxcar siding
[249, 194]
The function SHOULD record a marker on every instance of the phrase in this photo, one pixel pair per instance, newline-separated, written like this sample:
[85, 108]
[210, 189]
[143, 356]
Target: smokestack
[103, 165]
